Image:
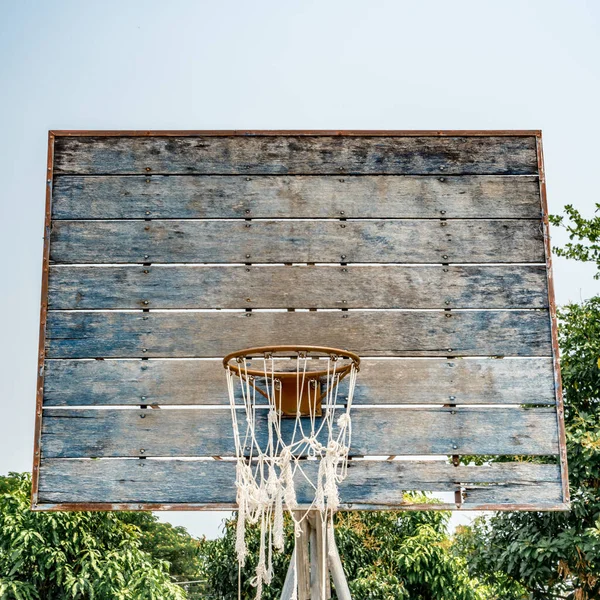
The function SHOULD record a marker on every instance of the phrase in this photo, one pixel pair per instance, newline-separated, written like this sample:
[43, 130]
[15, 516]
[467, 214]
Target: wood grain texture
[212, 482]
[281, 155]
[389, 286]
[308, 197]
[85, 433]
[202, 382]
[369, 333]
[382, 241]
[541, 493]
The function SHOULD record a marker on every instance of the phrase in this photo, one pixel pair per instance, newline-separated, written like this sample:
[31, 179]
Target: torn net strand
[270, 463]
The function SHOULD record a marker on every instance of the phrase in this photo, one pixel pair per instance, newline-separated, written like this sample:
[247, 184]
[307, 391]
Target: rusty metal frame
[106, 506]
[306, 132]
[560, 411]
[403, 506]
[43, 316]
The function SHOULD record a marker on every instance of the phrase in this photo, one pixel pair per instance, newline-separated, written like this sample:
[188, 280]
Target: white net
[292, 432]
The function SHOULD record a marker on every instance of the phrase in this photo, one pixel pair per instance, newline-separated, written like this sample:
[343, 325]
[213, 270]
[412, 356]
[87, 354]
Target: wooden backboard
[427, 253]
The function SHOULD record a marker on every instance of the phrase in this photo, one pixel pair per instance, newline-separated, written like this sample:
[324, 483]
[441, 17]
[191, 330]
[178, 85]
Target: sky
[276, 64]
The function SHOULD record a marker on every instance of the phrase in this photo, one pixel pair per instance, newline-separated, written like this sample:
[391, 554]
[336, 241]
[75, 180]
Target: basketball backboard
[426, 253]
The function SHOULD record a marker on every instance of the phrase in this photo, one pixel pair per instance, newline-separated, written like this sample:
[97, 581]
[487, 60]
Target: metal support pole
[337, 571]
[288, 585]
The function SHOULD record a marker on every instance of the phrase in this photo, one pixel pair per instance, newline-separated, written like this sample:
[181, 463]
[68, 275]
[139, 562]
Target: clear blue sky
[287, 64]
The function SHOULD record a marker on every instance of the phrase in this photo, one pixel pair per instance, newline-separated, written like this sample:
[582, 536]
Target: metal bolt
[344, 316]
[343, 256]
[144, 349]
[452, 397]
[342, 226]
[443, 212]
[248, 225]
[148, 169]
[142, 416]
[146, 271]
[146, 256]
[344, 270]
[448, 315]
[454, 446]
[146, 302]
[447, 302]
[444, 256]
[248, 300]
[147, 212]
[247, 270]
[452, 412]
[445, 270]
[449, 349]
[247, 210]
[248, 314]
[146, 228]
[442, 168]
[49, 180]
[147, 180]
[248, 179]
[344, 302]
[442, 178]
[142, 450]
[341, 212]
[342, 180]
[443, 223]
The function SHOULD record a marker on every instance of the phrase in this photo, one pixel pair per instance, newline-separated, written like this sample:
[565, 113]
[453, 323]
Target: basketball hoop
[293, 418]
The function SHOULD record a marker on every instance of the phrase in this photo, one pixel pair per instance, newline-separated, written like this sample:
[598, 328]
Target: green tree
[584, 235]
[386, 556]
[73, 555]
[557, 555]
[168, 543]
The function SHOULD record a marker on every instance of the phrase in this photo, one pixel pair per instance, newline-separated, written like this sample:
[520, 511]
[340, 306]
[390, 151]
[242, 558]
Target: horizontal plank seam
[383, 357]
[303, 219]
[441, 173]
[266, 310]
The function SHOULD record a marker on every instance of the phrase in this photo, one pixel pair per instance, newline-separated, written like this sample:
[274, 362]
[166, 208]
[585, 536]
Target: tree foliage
[386, 556]
[583, 233]
[73, 555]
[557, 555]
[168, 543]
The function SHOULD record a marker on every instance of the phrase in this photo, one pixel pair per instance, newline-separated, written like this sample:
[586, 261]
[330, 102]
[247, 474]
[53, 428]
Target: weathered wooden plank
[543, 493]
[85, 433]
[213, 334]
[381, 381]
[281, 155]
[359, 286]
[238, 241]
[213, 482]
[308, 197]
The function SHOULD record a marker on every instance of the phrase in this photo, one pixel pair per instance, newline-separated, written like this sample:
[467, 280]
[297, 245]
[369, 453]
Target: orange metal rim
[292, 349]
